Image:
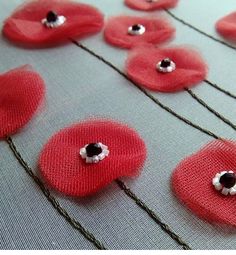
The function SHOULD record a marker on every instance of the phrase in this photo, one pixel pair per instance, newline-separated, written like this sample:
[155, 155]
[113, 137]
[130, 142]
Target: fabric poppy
[25, 26]
[151, 5]
[141, 67]
[192, 182]
[155, 31]
[226, 27]
[66, 170]
[22, 90]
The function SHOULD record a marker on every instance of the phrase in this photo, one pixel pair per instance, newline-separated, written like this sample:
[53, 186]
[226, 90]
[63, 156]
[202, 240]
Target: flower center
[52, 16]
[228, 180]
[136, 27]
[165, 63]
[93, 149]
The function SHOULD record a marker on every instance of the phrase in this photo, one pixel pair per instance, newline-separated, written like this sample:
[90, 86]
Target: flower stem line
[226, 92]
[210, 109]
[54, 202]
[153, 215]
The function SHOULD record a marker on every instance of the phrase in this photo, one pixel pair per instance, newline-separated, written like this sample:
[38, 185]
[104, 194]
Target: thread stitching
[152, 214]
[217, 87]
[210, 109]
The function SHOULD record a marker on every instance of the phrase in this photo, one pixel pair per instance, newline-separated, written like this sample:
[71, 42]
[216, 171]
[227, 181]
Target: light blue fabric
[80, 86]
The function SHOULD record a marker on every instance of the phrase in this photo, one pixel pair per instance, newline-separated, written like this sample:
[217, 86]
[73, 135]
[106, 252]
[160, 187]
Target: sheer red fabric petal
[22, 90]
[227, 27]
[64, 169]
[192, 182]
[24, 26]
[158, 30]
[145, 5]
[141, 68]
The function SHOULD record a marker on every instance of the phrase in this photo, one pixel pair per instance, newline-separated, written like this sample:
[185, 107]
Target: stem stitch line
[210, 109]
[55, 203]
[152, 214]
[226, 92]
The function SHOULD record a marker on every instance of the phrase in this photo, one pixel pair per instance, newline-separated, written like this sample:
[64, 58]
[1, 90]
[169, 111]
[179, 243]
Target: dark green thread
[226, 92]
[74, 223]
[210, 109]
[152, 214]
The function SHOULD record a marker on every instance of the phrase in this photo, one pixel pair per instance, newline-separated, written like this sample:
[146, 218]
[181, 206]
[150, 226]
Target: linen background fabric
[79, 86]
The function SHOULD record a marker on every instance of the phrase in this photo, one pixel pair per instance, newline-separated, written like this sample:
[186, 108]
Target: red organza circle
[141, 68]
[24, 26]
[22, 90]
[158, 31]
[226, 27]
[64, 169]
[192, 182]
[145, 5]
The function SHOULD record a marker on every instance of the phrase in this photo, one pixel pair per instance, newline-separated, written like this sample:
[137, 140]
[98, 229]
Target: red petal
[141, 68]
[25, 27]
[157, 31]
[21, 92]
[144, 5]
[192, 182]
[65, 170]
[227, 26]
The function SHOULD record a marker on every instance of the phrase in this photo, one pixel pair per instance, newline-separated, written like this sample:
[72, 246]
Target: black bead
[165, 62]
[136, 27]
[52, 16]
[93, 149]
[228, 180]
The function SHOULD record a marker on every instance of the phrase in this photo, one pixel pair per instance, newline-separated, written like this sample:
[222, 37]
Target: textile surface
[81, 86]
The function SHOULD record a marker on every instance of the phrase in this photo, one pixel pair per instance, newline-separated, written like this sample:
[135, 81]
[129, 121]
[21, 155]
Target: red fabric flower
[65, 170]
[21, 91]
[192, 182]
[149, 5]
[25, 26]
[227, 26]
[157, 31]
[142, 61]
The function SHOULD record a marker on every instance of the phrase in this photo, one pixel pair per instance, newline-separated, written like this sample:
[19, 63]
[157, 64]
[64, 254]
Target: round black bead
[228, 180]
[93, 149]
[52, 16]
[165, 62]
[136, 27]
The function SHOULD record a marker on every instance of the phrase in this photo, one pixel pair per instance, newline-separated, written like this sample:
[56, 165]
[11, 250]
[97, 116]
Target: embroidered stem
[226, 92]
[152, 214]
[74, 223]
[210, 109]
[198, 30]
[150, 96]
